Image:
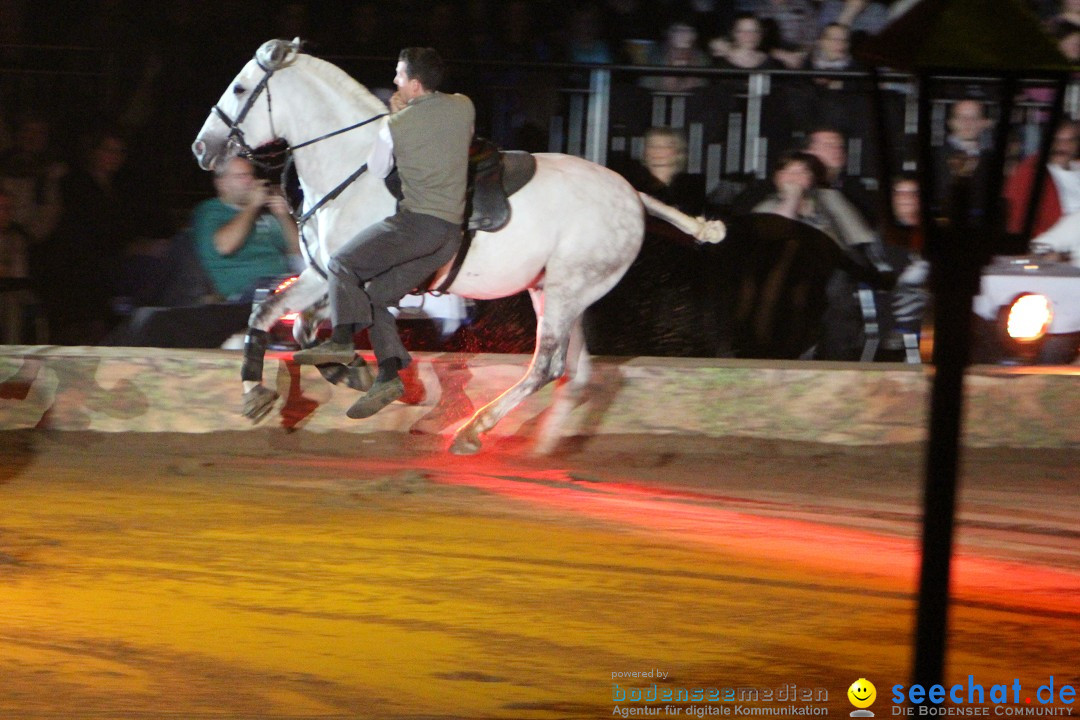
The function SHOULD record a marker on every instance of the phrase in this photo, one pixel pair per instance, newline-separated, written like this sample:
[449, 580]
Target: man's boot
[326, 352]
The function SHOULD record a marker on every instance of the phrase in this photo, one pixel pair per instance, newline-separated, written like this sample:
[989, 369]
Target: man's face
[829, 149]
[236, 183]
[408, 87]
[967, 121]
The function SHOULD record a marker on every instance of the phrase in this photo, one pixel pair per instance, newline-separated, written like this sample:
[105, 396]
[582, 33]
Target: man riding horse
[427, 136]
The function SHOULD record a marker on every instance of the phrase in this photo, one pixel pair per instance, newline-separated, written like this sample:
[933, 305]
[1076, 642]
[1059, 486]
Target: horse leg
[578, 359]
[259, 399]
[555, 317]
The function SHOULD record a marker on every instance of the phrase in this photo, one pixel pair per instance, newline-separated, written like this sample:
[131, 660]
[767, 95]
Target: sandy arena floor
[275, 575]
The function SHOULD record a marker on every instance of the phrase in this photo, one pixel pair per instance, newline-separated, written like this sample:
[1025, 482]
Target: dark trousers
[374, 270]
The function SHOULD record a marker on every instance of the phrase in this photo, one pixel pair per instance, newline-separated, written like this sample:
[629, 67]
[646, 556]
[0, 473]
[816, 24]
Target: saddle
[494, 175]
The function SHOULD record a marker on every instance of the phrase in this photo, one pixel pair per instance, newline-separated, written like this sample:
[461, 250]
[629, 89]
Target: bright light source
[1029, 317]
[288, 318]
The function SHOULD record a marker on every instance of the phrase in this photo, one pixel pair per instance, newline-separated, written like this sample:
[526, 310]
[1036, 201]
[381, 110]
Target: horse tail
[702, 230]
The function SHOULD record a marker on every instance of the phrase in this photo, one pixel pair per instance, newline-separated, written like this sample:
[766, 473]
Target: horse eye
[238, 89]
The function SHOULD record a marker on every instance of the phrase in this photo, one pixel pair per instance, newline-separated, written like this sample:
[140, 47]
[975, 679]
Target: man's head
[827, 145]
[1066, 147]
[419, 71]
[967, 120]
[234, 181]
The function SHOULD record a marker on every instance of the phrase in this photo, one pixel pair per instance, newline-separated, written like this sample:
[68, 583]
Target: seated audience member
[662, 171]
[795, 25]
[245, 234]
[746, 48]
[964, 157]
[1061, 189]
[679, 49]
[862, 16]
[801, 195]
[830, 147]
[903, 249]
[661, 306]
[108, 209]
[31, 173]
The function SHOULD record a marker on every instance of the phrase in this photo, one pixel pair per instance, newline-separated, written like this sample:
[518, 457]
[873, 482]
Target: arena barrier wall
[198, 391]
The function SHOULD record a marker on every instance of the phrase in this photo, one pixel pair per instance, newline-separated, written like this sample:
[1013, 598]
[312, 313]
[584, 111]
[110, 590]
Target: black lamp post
[948, 43]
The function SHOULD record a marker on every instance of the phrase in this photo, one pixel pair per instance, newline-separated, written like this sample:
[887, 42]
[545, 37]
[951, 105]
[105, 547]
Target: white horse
[574, 228]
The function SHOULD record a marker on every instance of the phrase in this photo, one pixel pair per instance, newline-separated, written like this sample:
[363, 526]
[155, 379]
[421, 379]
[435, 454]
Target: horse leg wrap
[254, 352]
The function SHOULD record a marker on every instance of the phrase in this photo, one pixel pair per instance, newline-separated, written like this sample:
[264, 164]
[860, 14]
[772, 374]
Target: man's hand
[397, 102]
[259, 192]
[277, 205]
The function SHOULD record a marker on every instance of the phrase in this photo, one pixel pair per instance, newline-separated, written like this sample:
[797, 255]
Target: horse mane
[351, 90]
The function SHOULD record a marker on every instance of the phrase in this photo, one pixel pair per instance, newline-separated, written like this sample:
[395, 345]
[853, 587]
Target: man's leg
[387, 289]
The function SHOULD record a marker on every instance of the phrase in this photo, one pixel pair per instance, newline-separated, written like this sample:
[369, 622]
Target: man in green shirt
[246, 233]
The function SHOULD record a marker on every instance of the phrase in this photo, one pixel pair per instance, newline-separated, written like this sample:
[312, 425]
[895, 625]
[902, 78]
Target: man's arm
[381, 158]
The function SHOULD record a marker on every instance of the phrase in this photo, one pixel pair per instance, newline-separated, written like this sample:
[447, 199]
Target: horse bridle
[237, 139]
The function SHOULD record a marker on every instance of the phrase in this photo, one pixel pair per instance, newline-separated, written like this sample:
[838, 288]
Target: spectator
[680, 49]
[245, 234]
[801, 195]
[795, 27]
[903, 247]
[830, 147]
[1061, 190]
[745, 49]
[31, 173]
[839, 102]
[663, 305]
[108, 208]
[963, 159]
[862, 16]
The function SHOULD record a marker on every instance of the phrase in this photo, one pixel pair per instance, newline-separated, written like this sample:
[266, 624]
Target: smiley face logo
[862, 693]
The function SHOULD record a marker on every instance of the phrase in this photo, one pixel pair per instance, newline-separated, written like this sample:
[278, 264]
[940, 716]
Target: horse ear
[275, 54]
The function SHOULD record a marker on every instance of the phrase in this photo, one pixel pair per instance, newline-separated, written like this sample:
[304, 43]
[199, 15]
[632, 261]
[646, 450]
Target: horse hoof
[465, 444]
[258, 401]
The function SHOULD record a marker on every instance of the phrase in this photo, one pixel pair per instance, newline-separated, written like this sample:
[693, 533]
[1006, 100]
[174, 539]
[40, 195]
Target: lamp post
[949, 44]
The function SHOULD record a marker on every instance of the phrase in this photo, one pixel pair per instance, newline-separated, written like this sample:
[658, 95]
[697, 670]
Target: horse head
[242, 119]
